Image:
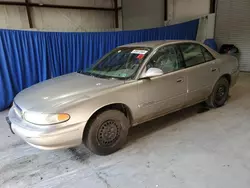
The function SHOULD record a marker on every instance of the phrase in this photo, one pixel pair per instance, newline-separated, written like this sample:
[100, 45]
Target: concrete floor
[186, 149]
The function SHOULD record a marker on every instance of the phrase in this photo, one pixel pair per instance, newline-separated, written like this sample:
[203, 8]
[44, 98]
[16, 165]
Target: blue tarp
[29, 57]
[211, 43]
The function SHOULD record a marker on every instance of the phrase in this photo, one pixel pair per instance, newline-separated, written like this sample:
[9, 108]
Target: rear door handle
[179, 80]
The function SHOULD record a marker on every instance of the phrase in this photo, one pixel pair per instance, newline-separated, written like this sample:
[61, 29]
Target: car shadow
[81, 153]
[145, 129]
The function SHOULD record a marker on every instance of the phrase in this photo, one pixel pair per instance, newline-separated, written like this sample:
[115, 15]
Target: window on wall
[167, 58]
[192, 54]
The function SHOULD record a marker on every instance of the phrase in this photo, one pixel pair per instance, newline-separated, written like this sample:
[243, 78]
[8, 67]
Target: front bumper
[64, 135]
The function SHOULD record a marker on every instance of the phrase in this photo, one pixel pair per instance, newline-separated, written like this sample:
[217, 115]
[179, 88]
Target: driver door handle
[179, 80]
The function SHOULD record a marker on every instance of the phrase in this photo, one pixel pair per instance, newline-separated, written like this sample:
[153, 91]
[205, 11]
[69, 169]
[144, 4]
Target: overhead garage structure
[233, 27]
[63, 15]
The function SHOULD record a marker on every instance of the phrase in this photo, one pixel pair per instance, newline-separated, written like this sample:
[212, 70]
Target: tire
[220, 94]
[107, 132]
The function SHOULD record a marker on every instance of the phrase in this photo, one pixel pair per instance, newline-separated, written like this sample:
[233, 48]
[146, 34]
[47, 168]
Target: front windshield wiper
[93, 74]
[100, 76]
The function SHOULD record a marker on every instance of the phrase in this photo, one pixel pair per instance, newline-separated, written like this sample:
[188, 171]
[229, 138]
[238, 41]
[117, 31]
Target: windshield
[121, 63]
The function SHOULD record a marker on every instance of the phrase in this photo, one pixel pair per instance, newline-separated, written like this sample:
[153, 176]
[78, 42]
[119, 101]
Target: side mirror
[152, 72]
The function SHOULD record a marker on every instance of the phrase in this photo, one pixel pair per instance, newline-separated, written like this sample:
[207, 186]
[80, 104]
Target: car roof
[155, 44]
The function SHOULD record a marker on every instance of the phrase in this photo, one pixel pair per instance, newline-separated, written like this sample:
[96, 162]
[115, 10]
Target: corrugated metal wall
[233, 26]
[15, 17]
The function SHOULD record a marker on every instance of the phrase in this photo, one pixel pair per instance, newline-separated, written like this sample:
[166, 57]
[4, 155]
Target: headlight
[45, 119]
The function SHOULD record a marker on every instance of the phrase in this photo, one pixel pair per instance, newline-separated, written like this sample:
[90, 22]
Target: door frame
[149, 104]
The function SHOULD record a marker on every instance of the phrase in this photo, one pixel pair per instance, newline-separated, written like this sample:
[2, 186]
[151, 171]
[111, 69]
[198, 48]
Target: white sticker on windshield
[139, 52]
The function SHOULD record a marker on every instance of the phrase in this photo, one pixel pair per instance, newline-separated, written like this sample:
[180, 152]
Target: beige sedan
[130, 85]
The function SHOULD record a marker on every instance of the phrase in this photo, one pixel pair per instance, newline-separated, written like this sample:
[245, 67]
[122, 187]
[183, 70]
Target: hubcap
[108, 133]
[221, 92]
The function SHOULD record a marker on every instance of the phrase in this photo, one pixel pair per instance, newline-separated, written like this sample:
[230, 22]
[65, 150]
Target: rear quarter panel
[228, 65]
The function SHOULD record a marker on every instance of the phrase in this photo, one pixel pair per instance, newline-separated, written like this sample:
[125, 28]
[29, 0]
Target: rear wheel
[220, 93]
[107, 132]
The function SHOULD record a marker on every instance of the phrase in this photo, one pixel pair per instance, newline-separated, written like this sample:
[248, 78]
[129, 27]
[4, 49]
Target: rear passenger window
[192, 54]
[208, 56]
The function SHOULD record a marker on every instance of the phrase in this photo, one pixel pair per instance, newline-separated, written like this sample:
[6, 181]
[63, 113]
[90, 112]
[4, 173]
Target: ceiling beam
[212, 6]
[57, 6]
[165, 10]
[29, 13]
[116, 14]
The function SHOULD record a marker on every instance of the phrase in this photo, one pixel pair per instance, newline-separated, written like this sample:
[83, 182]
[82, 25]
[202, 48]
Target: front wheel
[220, 93]
[107, 132]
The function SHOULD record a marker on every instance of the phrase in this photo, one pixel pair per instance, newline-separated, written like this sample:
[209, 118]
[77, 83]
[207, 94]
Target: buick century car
[130, 85]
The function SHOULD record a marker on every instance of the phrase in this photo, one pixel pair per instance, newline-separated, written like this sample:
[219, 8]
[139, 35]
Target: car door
[162, 94]
[202, 71]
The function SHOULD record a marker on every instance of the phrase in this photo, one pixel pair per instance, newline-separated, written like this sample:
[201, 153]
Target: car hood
[62, 90]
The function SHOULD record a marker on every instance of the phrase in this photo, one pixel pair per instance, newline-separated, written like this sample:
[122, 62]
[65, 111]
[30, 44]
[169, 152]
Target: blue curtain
[23, 62]
[28, 57]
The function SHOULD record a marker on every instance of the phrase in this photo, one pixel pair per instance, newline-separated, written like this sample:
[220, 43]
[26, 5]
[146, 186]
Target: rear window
[207, 55]
[192, 54]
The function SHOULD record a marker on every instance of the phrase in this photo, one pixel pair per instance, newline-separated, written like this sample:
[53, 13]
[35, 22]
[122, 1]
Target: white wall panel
[141, 14]
[185, 9]
[13, 17]
[206, 28]
[60, 19]
[72, 20]
[180, 11]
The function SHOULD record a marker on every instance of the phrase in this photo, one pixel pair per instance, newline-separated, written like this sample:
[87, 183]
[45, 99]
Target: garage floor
[192, 148]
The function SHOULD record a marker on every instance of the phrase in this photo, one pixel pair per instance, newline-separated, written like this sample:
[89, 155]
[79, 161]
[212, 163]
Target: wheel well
[116, 106]
[228, 77]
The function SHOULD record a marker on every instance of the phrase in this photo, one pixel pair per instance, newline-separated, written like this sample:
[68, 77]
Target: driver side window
[167, 58]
